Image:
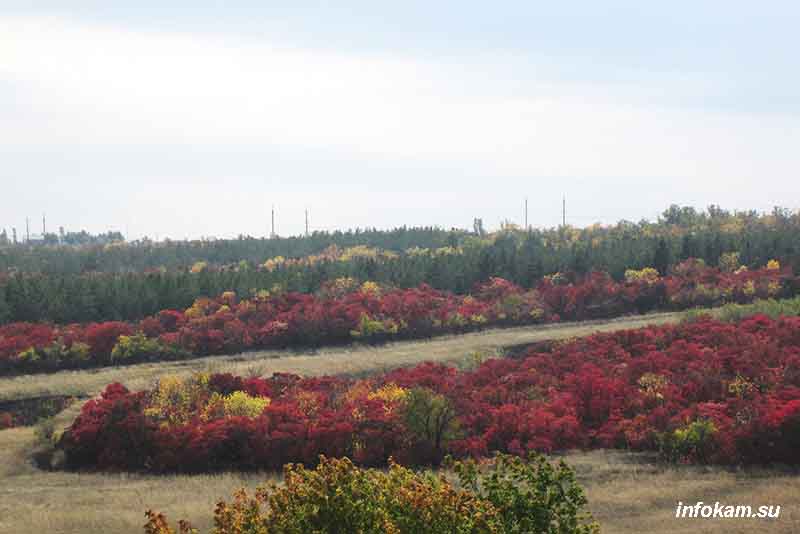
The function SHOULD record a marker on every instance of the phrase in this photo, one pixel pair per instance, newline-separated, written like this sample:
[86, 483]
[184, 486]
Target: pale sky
[192, 120]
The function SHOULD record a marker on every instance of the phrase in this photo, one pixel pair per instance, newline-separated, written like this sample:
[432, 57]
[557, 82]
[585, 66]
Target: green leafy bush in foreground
[506, 495]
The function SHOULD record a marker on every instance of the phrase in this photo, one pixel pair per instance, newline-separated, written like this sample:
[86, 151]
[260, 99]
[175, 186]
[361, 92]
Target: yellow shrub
[198, 308]
[648, 274]
[239, 403]
[368, 327]
[57, 351]
[79, 351]
[274, 263]
[456, 320]
[390, 394]
[392, 327]
[359, 251]
[29, 355]
[371, 288]
[344, 284]
[477, 319]
[359, 390]
[773, 265]
[135, 346]
[652, 385]
[175, 400]
[417, 251]
[199, 267]
[193, 312]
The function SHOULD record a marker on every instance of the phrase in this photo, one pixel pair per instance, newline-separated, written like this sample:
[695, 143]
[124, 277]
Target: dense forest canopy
[122, 280]
[685, 231]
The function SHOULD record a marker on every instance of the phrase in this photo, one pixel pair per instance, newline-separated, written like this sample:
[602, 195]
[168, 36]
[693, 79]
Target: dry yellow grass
[35, 501]
[627, 494]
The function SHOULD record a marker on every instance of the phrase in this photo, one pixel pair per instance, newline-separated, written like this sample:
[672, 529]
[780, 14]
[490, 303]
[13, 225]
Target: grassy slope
[628, 492]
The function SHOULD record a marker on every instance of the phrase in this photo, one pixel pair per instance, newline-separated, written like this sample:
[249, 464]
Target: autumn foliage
[504, 496]
[345, 310]
[705, 391]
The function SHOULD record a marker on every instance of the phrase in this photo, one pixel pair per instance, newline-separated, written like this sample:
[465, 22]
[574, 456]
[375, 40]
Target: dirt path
[354, 359]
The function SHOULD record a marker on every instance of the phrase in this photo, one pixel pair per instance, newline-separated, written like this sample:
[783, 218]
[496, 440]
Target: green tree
[5, 309]
[661, 258]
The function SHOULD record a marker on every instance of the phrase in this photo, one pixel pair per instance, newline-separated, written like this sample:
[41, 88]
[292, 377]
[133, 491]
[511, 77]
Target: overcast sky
[192, 120]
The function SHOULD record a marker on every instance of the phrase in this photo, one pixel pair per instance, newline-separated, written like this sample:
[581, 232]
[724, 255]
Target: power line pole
[306, 222]
[27, 229]
[564, 211]
[272, 233]
[44, 226]
[526, 214]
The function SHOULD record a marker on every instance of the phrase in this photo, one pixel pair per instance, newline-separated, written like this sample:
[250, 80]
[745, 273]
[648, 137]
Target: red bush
[103, 336]
[228, 325]
[628, 389]
[6, 420]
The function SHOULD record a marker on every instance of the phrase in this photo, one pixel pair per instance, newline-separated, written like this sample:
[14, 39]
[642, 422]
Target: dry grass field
[631, 493]
[628, 493]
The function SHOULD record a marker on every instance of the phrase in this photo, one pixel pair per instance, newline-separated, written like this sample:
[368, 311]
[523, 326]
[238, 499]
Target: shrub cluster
[736, 312]
[344, 311]
[706, 391]
[26, 412]
[508, 496]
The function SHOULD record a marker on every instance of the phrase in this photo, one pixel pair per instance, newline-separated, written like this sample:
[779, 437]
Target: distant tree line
[50, 239]
[79, 253]
[108, 283]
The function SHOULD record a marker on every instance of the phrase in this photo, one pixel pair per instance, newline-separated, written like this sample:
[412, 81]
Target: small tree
[431, 420]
